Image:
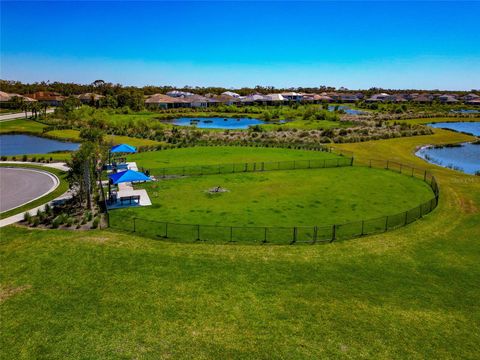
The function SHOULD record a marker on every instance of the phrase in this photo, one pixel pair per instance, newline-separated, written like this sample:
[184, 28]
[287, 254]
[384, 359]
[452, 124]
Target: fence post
[363, 225]
[246, 167]
[163, 173]
[370, 163]
[263, 166]
[334, 233]
[425, 176]
[387, 164]
[219, 169]
[386, 223]
[166, 229]
[309, 166]
[401, 166]
[351, 161]
[265, 236]
[315, 234]
[198, 232]
[294, 240]
[183, 171]
[413, 170]
[406, 218]
[231, 233]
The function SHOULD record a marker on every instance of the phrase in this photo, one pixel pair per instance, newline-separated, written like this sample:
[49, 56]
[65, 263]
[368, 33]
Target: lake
[472, 127]
[347, 110]
[28, 144]
[465, 157]
[217, 123]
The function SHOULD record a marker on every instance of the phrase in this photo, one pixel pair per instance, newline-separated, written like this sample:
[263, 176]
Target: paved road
[19, 186]
[8, 117]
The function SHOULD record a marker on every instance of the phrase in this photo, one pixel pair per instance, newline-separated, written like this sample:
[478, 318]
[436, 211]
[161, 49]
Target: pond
[28, 144]
[462, 157]
[217, 122]
[472, 127]
[346, 110]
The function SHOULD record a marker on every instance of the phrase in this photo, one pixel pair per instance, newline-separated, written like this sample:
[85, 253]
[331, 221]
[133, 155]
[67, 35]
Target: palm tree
[26, 107]
[35, 106]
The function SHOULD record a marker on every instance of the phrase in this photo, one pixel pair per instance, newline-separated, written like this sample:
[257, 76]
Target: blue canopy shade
[128, 176]
[123, 148]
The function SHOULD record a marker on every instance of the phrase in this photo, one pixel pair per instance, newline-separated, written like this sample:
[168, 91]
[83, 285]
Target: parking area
[19, 186]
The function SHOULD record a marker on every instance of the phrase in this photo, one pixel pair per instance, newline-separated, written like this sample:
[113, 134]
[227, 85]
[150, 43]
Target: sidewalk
[58, 165]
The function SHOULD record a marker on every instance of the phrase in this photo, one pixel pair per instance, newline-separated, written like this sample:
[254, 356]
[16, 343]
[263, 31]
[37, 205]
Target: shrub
[4, 158]
[95, 222]
[27, 217]
[34, 159]
[69, 221]
[36, 221]
[24, 158]
[57, 222]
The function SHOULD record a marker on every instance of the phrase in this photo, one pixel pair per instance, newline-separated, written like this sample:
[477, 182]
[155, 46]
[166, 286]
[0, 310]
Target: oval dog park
[322, 198]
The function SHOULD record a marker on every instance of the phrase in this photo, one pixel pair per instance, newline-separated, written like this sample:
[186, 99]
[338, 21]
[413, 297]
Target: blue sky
[353, 44]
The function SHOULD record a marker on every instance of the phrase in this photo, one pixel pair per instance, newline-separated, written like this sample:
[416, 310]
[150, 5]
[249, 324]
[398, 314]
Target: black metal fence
[286, 235]
[251, 167]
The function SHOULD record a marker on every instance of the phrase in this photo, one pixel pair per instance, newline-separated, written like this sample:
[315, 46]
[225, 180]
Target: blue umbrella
[123, 148]
[128, 176]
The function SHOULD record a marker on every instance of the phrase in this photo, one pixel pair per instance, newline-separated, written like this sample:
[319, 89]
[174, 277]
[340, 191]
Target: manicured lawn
[62, 188]
[21, 126]
[411, 293]
[74, 135]
[208, 155]
[281, 198]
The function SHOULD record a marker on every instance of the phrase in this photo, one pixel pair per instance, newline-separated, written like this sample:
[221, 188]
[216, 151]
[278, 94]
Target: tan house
[161, 101]
[47, 97]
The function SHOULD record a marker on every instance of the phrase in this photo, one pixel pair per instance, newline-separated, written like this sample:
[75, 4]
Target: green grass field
[74, 135]
[282, 198]
[21, 126]
[206, 155]
[411, 293]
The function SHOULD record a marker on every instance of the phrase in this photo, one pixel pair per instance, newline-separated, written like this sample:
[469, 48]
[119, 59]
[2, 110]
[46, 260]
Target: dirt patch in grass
[7, 292]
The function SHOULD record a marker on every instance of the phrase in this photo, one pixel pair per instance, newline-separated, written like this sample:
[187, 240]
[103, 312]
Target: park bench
[130, 199]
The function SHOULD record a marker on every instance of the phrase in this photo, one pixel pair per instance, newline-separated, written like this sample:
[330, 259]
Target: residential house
[473, 102]
[89, 98]
[470, 96]
[292, 96]
[378, 98]
[231, 94]
[6, 98]
[423, 99]
[178, 93]
[447, 99]
[344, 97]
[47, 97]
[224, 99]
[198, 101]
[161, 101]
